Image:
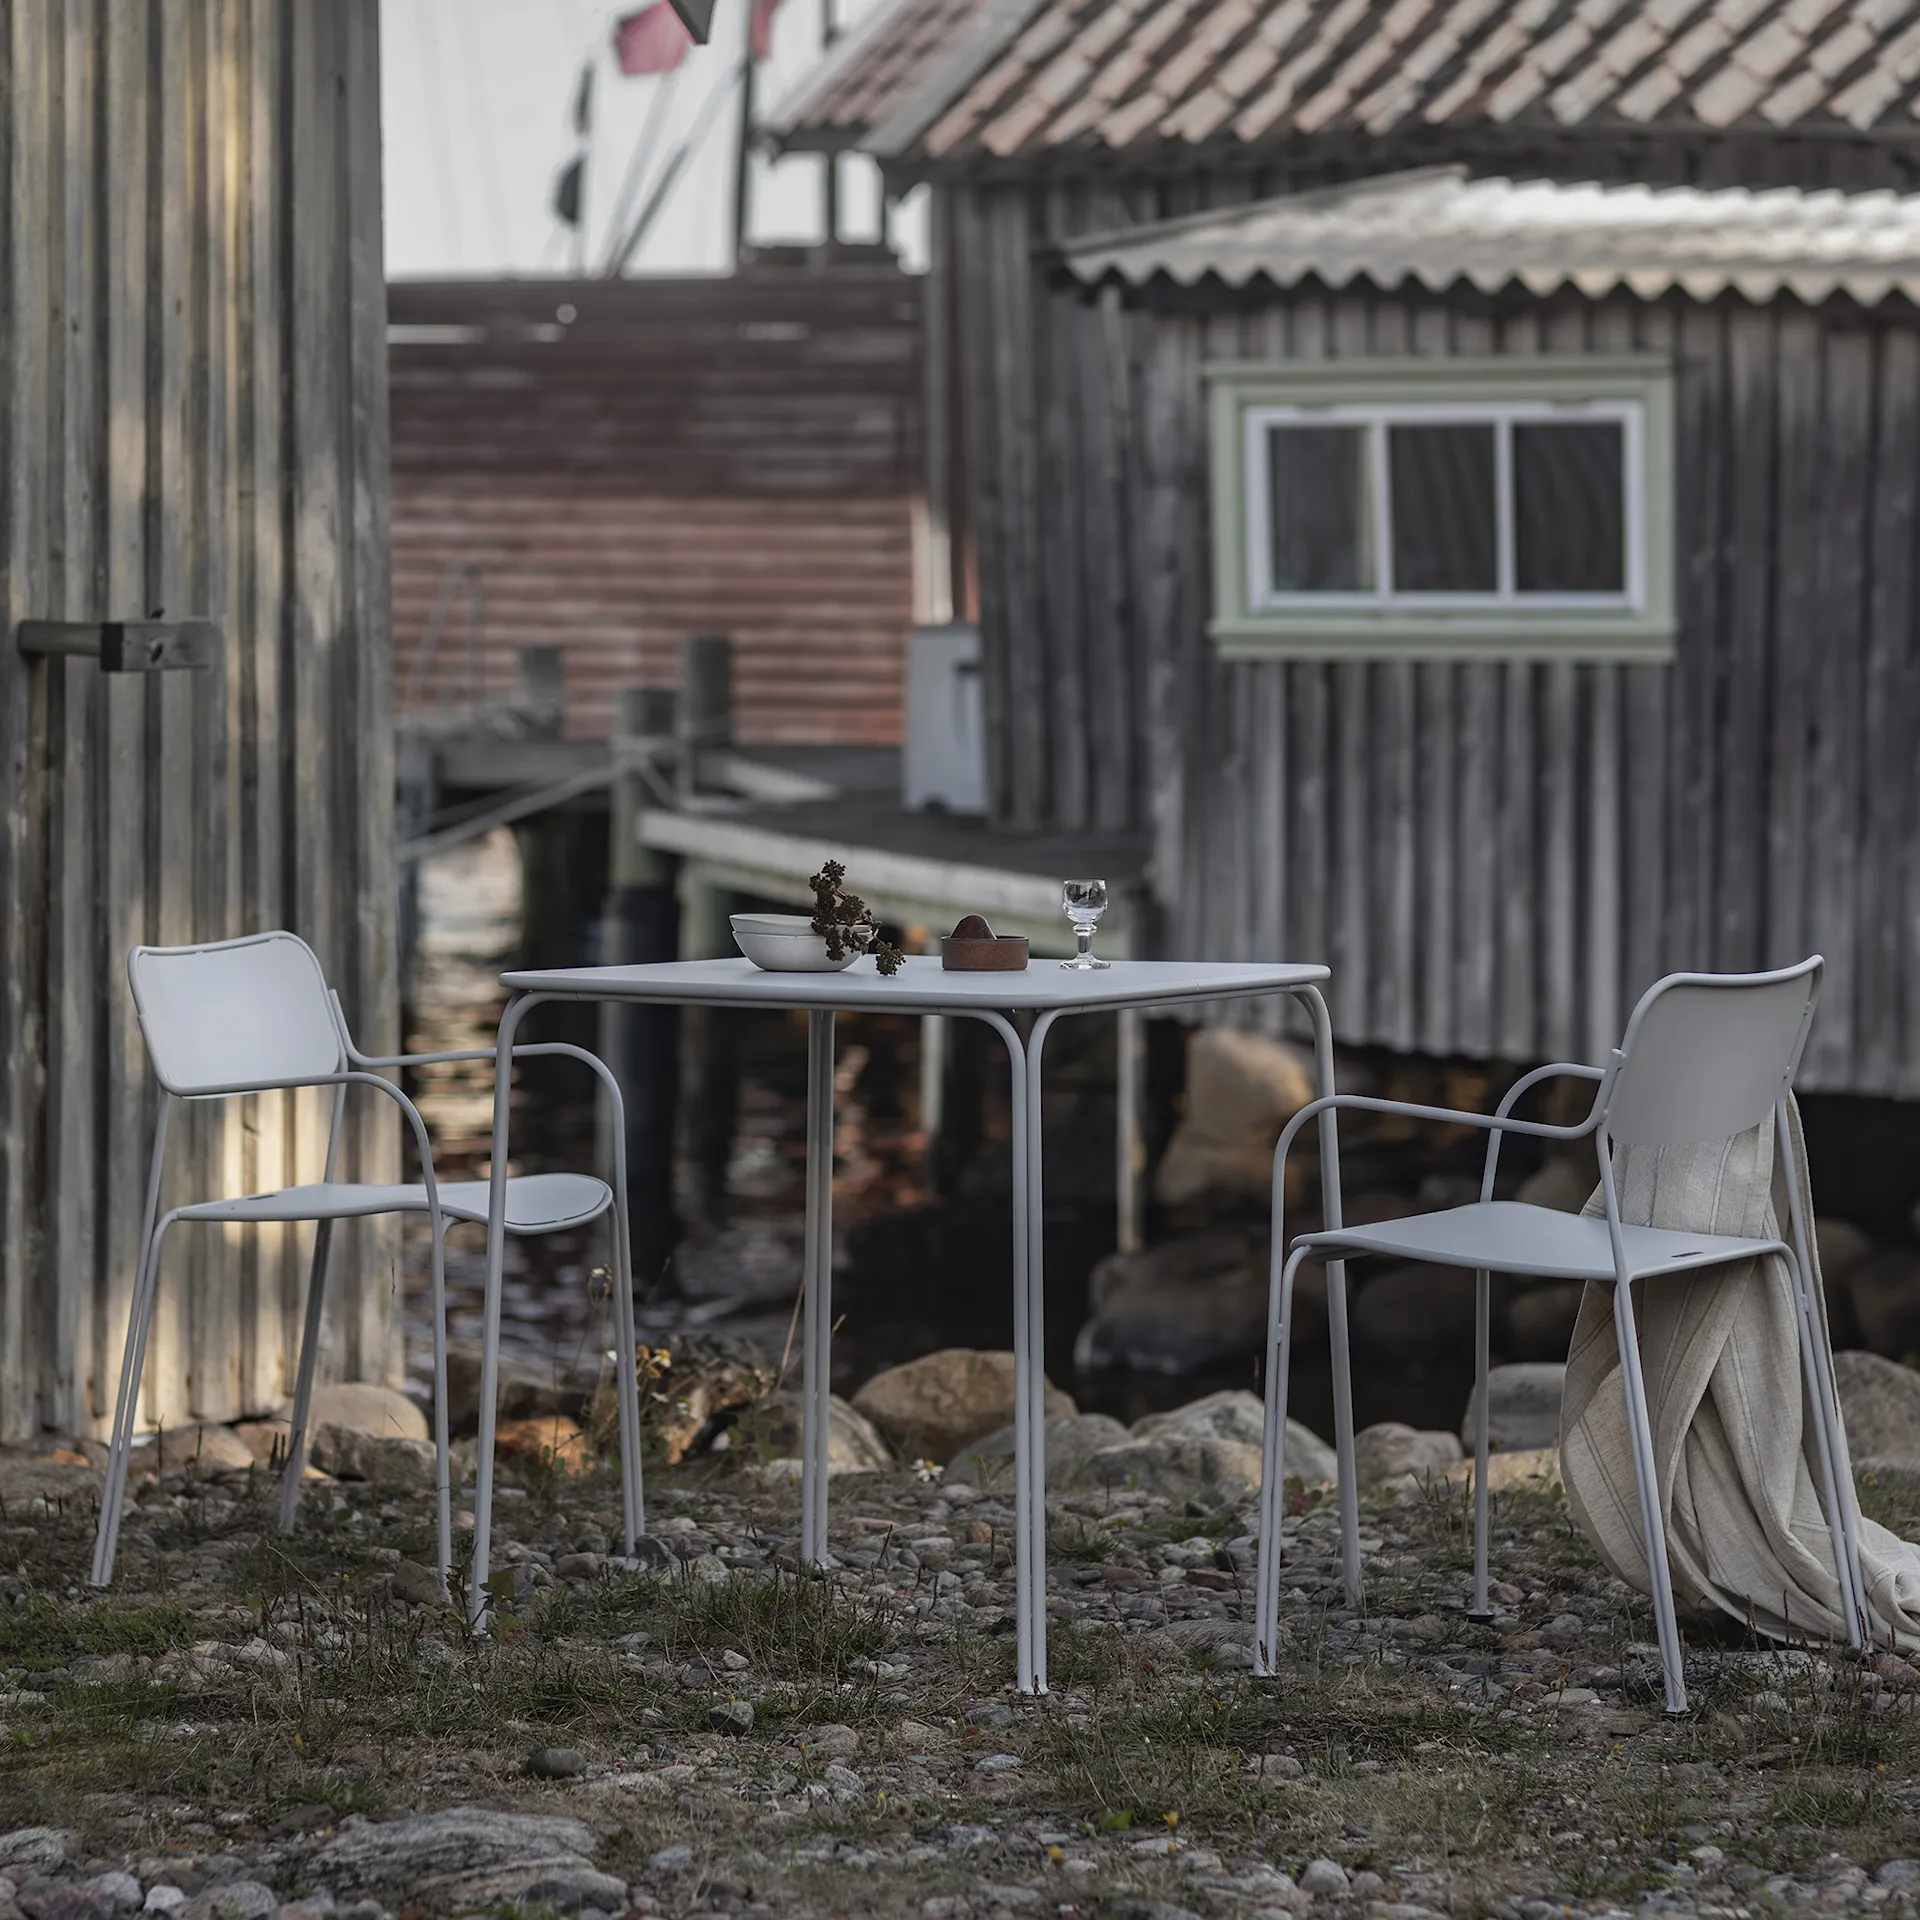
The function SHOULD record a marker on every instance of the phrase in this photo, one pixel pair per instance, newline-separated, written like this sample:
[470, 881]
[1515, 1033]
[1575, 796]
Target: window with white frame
[1487, 508]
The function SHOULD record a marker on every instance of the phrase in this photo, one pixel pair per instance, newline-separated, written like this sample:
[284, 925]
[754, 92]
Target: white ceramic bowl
[785, 943]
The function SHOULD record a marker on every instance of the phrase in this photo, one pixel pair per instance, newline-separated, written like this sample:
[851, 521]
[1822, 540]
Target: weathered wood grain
[151, 441]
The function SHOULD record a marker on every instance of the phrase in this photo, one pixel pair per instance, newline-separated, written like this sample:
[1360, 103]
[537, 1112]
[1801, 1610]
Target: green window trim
[1638, 626]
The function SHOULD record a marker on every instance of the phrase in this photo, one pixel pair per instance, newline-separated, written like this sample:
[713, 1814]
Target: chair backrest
[1706, 1055]
[234, 1013]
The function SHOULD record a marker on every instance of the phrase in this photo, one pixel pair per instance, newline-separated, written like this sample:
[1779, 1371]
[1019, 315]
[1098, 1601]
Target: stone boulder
[1177, 1308]
[1884, 1290]
[1879, 1406]
[381, 1460]
[933, 1406]
[1392, 1450]
[1072, 1441]
[1242, 1088]
[525, 1391]
[1533, 1468]
[1523, 1406]
[202, 1449]
[1561, 1183]
[1236, 1416]
[1540, 1319]
[1180, 1467]
[1417, 1316]
[362, 1407]
[772, 1430]
[1839, 1246]
[467, 1859]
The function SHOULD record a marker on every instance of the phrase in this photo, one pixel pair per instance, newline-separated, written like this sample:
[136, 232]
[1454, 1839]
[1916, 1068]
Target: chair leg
[442, 1437]
[632, 1487]
[1482, 1609]
[1640, 1427]
[1273, 1466]
[132, 1365]
[303, 1378]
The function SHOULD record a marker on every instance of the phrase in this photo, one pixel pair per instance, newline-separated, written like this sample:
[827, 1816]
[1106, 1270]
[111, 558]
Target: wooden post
[543, 690]
[933, 1092]
[416, 796]
[705, 717]
[639, 924]
[710, 1051]
[1130, 1146]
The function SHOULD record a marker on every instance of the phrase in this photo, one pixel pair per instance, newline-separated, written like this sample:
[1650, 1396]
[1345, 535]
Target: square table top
[922, 985]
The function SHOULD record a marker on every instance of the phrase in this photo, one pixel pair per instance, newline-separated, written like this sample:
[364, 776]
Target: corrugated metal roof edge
[1091, 258]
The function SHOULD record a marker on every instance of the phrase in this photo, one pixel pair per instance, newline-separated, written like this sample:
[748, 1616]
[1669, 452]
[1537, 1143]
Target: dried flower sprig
[846, 922]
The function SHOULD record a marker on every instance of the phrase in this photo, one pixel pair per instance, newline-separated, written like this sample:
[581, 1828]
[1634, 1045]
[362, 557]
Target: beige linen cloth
[1732, 1434]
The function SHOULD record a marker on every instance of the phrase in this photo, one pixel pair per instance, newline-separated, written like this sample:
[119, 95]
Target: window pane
[1444, 528]
[1569, 516]
[1317, 489]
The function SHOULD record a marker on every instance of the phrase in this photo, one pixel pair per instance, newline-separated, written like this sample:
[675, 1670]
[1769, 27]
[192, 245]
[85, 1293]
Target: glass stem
[1085, 936]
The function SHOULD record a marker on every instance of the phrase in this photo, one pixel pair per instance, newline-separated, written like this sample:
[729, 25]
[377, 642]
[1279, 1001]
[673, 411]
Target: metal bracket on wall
[126, 646]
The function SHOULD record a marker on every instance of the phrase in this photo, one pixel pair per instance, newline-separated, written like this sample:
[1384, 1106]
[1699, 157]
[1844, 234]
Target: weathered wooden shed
[1497, 817]
[606, 467]
[194, 421]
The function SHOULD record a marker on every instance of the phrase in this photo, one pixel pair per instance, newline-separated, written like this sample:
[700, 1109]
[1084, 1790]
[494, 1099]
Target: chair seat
[1508, 1236]
[536, 1202]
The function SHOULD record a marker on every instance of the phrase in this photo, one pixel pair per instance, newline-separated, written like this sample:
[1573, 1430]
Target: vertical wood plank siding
[193, 417]
[1494, 858]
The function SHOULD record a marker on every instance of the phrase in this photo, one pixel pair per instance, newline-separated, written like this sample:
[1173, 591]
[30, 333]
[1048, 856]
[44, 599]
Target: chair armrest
[1558, 1070]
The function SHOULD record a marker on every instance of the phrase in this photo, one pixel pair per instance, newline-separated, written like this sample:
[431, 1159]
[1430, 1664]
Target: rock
[1324, 1877]
[1884, 1290]
[36, 1850]
[107, 1896]
[1879, 1406]
[997, 1763]
[1839, 1247]
[232, 1900]
[1418, 1317]
[265, 1440]
[1903, 1876]
[941, 1402]
[1540, 1319]
[771, 1431]
[202, 1449]
[1274, 1766]
[1176, 1308]
[1523, 1406]
[671, 1860]
[381, 1461]
[1235, 1414]
[525, 1392]
[1179, 1466]
[556, 1763]
[829, 1741]
[1072, 1441]
[1536, 1467]
[1242, 1088]
[733, 1716]
[162, 1898]
[418, 1586]
[1392, 1450]
[466, 1858]
[548, 1440]
[382, 1413]
[1560, 1183]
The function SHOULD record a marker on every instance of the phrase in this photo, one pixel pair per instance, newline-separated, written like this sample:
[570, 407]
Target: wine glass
[1083, 902]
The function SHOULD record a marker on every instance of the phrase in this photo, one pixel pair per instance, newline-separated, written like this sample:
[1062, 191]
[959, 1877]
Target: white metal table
[1045, 991]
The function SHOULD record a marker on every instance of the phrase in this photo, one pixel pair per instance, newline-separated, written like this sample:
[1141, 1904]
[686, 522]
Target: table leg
[816, 1403]
[516, 1010]
[1336, 1300]
[1029, 1619]
[1034, 1480]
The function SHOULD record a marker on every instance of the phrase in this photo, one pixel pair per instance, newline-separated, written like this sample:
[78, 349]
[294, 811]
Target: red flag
[760, 28]
[650, 41]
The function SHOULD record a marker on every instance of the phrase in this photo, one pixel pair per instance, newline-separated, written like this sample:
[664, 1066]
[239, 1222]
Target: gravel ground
[249, 1723]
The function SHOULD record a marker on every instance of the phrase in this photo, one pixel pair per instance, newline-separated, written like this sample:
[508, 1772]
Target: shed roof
[1027, 79]
[1439, 227]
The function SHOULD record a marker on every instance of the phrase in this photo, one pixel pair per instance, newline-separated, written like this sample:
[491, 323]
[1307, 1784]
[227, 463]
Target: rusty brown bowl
[1005, 953]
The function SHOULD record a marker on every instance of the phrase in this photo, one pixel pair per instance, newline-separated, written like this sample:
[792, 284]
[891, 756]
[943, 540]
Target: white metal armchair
[255, 1015]
[1704, 1057]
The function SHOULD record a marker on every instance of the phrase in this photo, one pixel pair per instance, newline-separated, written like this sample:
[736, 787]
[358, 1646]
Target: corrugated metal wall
[193, 416]
[672, 457]
[1494, 859]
